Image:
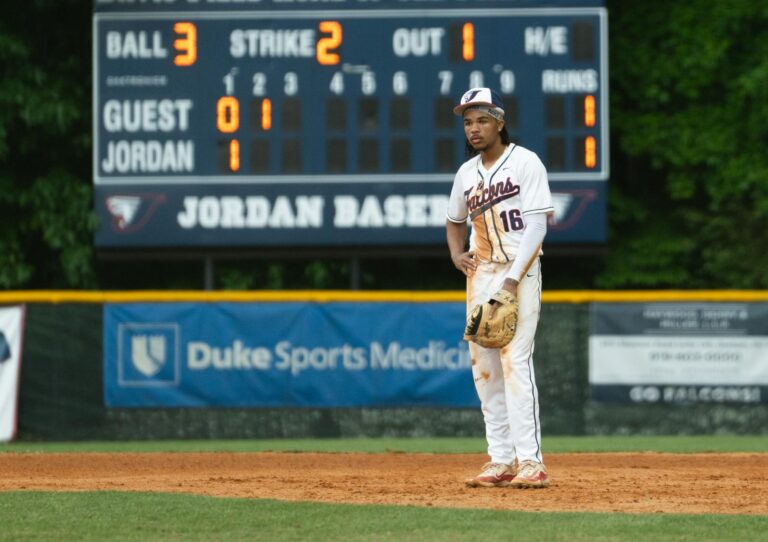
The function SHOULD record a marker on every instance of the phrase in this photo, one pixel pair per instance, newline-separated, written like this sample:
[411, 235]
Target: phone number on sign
[695, 356]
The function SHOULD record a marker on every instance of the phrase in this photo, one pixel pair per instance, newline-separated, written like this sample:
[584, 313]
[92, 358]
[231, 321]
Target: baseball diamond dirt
[734, 483]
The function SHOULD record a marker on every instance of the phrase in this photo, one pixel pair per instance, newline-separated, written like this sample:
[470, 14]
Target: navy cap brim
[459, 109]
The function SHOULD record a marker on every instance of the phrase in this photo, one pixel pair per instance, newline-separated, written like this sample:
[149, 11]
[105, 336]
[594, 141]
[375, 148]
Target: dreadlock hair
[470, 151]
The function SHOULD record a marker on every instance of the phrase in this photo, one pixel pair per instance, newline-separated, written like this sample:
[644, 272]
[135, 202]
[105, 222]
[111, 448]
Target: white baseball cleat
[494, 475]
[531, 474]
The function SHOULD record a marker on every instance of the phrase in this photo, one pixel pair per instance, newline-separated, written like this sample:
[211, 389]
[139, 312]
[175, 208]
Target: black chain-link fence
[61, 396]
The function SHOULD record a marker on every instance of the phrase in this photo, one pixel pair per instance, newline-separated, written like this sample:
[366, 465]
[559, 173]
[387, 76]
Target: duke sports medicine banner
[11, 331]
[286, 355]
[679, 352]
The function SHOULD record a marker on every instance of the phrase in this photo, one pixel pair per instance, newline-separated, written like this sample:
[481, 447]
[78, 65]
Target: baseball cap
[481, 98]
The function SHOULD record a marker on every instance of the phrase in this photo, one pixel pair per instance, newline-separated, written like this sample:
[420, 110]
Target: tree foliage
[45, 195]
[689, 123]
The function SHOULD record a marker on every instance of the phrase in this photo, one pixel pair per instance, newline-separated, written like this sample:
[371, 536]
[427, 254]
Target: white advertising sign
[11, 331]
[679, 352]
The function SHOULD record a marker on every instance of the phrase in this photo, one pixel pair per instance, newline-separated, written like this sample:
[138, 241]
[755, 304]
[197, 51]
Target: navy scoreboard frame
[287, 124]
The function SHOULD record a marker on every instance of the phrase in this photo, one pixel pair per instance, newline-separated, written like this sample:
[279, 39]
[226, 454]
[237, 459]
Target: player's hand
[465, 262]
[510, 285]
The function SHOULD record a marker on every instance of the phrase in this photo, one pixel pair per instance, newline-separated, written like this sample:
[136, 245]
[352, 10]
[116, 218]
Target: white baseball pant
[504, 378]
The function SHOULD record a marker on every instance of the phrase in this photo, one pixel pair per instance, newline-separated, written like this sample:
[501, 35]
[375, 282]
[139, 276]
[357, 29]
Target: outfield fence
[61, 394]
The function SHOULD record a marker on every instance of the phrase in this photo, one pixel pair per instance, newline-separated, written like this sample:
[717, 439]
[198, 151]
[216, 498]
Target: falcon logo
[148, 353]
[561, 202]
[131, 212]
[569, 206]
[123, 209]
[469, 95]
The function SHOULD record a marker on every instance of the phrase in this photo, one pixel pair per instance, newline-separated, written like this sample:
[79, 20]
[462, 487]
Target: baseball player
[503, 191]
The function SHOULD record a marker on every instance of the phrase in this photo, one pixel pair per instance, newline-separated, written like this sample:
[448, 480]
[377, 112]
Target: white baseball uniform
[498, 201]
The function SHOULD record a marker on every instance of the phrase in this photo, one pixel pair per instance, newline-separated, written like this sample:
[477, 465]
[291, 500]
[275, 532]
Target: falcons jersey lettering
[496, 200]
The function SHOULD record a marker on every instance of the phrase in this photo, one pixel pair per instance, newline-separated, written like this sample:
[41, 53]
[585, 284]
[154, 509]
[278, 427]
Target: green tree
[689, 123]
[45, 189]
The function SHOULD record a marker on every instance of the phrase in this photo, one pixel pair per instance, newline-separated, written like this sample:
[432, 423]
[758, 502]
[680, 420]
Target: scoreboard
[287, 123]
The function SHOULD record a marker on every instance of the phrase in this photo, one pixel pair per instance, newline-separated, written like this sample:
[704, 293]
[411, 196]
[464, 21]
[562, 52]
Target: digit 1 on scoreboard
[589, 111]
[590, 152]
[461, 39]
[266, 114]
[234, 155]
[468, 42]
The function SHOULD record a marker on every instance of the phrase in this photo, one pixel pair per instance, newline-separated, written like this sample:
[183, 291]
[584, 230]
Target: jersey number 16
[512, 220]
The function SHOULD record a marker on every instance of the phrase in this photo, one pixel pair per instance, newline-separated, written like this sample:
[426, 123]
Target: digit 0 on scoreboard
[228, 114]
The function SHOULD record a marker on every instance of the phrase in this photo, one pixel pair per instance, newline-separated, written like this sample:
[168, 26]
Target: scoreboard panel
[333, 127]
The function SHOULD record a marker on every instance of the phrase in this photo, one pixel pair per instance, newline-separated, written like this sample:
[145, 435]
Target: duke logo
[148, 353]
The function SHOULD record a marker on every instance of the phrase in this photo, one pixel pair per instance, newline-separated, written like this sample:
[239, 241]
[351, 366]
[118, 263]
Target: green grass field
[142, 516]
[26, 515]
[688, 444]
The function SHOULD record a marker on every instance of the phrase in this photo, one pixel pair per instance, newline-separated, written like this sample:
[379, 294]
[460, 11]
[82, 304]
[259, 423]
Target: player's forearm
[456, 235]
[530, 244]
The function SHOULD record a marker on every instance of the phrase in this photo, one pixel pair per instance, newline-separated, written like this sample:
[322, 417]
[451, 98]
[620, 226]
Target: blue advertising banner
[286, 355]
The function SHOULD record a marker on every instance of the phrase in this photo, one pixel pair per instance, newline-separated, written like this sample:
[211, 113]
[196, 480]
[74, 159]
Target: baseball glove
[495, 331]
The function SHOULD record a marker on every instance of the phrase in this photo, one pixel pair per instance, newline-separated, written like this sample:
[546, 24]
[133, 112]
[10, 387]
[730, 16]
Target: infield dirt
[605, 482]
